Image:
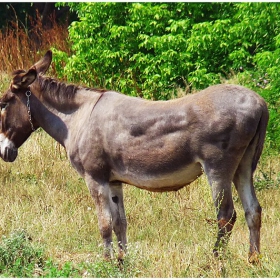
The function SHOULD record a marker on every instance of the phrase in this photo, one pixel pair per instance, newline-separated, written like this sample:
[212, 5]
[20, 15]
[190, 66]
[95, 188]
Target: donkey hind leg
[243, 181]
[222, 195]
[118, 216]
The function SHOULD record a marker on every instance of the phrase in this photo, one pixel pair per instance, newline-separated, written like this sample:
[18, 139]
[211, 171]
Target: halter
[28, 94]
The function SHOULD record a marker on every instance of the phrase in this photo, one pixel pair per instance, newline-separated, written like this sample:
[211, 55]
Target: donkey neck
[55, 106]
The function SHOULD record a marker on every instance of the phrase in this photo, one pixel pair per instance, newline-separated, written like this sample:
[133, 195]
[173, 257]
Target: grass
[170, 234]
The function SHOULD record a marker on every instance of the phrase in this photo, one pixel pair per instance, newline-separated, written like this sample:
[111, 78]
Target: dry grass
[19, 48]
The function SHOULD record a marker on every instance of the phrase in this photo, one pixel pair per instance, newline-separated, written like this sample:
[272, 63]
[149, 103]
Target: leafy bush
[150, 49]
[141, 49]
[270, 82]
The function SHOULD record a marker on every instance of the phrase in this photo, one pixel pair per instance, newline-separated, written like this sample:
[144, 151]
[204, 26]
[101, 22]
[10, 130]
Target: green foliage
[152, 49]
[18, 257]
[52, 270]
[269, 81]
[137, 48]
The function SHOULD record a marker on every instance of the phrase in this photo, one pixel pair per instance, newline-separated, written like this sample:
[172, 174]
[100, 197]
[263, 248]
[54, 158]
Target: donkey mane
[55, 90]
[62, 94]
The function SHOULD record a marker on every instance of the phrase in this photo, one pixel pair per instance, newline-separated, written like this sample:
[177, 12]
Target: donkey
[111, 138]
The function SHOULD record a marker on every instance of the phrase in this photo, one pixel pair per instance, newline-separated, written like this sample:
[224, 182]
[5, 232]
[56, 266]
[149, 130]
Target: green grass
[170, 234]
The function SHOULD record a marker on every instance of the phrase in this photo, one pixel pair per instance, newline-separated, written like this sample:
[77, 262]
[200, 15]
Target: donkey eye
[3, 105]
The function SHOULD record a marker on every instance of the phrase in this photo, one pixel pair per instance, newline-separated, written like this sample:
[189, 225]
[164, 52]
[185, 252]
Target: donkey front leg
[118, 216]
[101, 196]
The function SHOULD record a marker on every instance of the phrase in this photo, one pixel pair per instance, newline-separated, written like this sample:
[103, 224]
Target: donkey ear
[29, 77]
[44, 63]
[23, 80]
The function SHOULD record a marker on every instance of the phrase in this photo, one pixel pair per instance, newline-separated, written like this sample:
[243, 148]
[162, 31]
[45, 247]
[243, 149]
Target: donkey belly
[161, 182]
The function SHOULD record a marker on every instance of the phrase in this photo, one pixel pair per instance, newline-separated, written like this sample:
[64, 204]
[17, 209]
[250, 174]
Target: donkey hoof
[215, 253]
[254, 258]
[218, 252]
[121, 256]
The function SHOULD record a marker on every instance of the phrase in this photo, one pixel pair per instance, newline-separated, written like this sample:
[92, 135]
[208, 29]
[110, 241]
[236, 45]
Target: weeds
[52, 270]
[267, 175]
[18, 256]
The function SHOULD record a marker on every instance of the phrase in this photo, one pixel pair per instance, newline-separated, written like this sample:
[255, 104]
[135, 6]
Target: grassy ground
[170, 234]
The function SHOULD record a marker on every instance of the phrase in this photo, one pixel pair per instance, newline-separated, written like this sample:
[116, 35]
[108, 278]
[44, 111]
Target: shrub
[18, 256]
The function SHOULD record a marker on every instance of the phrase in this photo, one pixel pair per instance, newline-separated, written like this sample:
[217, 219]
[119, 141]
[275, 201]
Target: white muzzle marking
[8, 150]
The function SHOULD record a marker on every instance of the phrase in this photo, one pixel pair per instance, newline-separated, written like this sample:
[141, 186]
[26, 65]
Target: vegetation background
[154, 51]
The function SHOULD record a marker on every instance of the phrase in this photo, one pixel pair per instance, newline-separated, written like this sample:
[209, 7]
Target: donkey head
[16, 119]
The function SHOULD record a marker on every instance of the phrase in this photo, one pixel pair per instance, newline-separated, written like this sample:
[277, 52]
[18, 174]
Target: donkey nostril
[10, 154]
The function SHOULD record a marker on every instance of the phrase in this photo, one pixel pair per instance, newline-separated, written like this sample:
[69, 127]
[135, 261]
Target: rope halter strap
[28, 94]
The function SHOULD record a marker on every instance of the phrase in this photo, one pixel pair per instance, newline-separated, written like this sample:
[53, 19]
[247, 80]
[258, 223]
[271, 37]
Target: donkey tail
[260, 134]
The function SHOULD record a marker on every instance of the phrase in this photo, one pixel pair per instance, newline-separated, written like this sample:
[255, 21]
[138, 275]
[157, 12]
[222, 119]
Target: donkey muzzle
[8, 150]
[9, 154]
